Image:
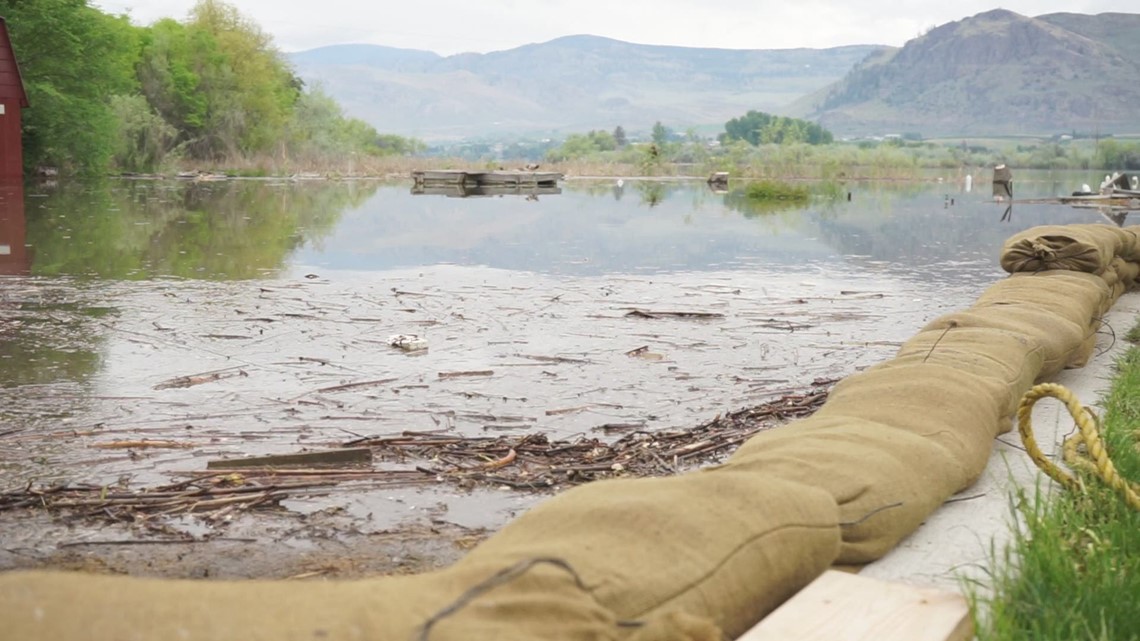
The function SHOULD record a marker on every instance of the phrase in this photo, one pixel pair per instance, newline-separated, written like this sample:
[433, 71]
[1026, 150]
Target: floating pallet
[442, 177]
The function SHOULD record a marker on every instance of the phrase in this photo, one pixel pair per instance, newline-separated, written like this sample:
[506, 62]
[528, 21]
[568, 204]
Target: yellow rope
[1094, 460]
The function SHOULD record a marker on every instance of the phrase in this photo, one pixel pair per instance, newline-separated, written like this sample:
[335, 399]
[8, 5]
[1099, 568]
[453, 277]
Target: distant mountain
[995, 73]
[366, 55]
[568, 84]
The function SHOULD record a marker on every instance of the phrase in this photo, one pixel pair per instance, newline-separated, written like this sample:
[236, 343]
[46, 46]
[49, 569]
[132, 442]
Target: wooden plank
[331, 458]
[456, 191]
[847, 607]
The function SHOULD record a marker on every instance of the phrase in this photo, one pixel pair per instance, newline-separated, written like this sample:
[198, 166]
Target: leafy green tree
[583, 146]
[144, 137]
[393, 145]
[73, 58]
[250, 89]
[1115, 155]
[620, 138]
[319, 128]
[660, 134]
[172, 61]
[757, 127]
[746, 127]
[211, 87]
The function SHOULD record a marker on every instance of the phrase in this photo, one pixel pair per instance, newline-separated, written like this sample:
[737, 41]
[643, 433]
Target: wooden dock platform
[441, 177]
[455, 190]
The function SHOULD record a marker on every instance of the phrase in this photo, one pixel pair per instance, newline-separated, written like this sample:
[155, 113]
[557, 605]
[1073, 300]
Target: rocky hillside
[574, 83]
[995, 73]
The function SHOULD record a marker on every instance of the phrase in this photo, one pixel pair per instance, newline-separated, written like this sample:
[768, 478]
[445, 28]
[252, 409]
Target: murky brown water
[280, 299]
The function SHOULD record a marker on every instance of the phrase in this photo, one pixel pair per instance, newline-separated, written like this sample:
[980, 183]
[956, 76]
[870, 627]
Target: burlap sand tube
[693, 556]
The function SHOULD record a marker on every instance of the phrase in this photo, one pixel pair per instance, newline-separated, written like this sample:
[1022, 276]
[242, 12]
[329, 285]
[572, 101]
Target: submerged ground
[152, 328]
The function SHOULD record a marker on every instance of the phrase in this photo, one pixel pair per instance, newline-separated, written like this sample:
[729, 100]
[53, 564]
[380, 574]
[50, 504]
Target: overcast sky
[455, 26]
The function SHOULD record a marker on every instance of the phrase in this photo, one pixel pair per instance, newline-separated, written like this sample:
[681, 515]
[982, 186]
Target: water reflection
[246, 229]
[215, 231]
[594, 228]
[469, 191]
[45, 340]
[15, 259]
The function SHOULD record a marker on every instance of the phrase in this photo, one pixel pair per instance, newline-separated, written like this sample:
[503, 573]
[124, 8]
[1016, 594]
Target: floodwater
[253, 317]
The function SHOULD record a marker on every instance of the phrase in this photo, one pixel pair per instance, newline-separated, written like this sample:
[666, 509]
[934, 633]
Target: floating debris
[529, 462]
[199, 379]
[540, 463]
[644, 354]
[642, 313]
[477, 372]
[331, 458]
[141, 445]
[408, 342]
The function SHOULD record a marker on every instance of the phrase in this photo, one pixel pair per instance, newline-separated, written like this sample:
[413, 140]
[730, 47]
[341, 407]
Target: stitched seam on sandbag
[504, 576]
[696, 583]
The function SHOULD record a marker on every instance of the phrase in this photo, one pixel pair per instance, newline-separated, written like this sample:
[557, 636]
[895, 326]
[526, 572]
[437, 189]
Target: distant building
[12, 100]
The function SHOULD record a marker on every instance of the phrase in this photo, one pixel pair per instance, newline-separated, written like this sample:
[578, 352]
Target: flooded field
[149, 328]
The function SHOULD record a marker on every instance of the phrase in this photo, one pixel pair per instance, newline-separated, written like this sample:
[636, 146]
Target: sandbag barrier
[699, 556]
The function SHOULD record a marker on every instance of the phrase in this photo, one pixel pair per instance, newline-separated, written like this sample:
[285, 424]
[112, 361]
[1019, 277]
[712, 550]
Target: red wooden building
[12, 100]
[15, 257]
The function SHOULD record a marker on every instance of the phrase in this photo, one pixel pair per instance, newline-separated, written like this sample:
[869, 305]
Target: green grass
[1133, 335]
[1073, 568]
[767, 190]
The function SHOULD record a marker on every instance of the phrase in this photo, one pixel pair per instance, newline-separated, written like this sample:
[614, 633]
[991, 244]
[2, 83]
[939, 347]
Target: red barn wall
[11, 148]
[12, 98]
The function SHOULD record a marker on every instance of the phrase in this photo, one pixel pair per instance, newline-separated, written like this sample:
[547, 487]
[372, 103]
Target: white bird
[1135, 182]
[620, 182]
[1085, 188]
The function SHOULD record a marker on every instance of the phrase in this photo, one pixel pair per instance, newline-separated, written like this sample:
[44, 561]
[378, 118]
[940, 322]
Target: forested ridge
[211, 88]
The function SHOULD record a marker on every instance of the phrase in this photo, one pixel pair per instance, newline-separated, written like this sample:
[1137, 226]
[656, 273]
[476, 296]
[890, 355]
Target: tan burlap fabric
[1080, 248]
[657, 559]
[690, 557]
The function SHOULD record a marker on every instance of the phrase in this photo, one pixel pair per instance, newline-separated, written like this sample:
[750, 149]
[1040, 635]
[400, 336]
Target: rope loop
[1094, 460]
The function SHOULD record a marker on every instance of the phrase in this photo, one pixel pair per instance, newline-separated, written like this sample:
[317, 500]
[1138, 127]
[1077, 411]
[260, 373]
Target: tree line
[109, 95]
[755, 128]
[758, 128]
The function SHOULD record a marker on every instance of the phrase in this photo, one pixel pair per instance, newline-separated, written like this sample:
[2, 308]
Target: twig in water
[480, 372]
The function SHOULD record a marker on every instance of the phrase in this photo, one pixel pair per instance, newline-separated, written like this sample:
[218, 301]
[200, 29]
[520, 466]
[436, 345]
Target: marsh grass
[1072, 570]
[769, 190]
[768, 162]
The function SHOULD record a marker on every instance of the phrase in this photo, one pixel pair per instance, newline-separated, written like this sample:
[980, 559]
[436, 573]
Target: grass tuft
[1133, 335]
[1073, 568]
[774, 190]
